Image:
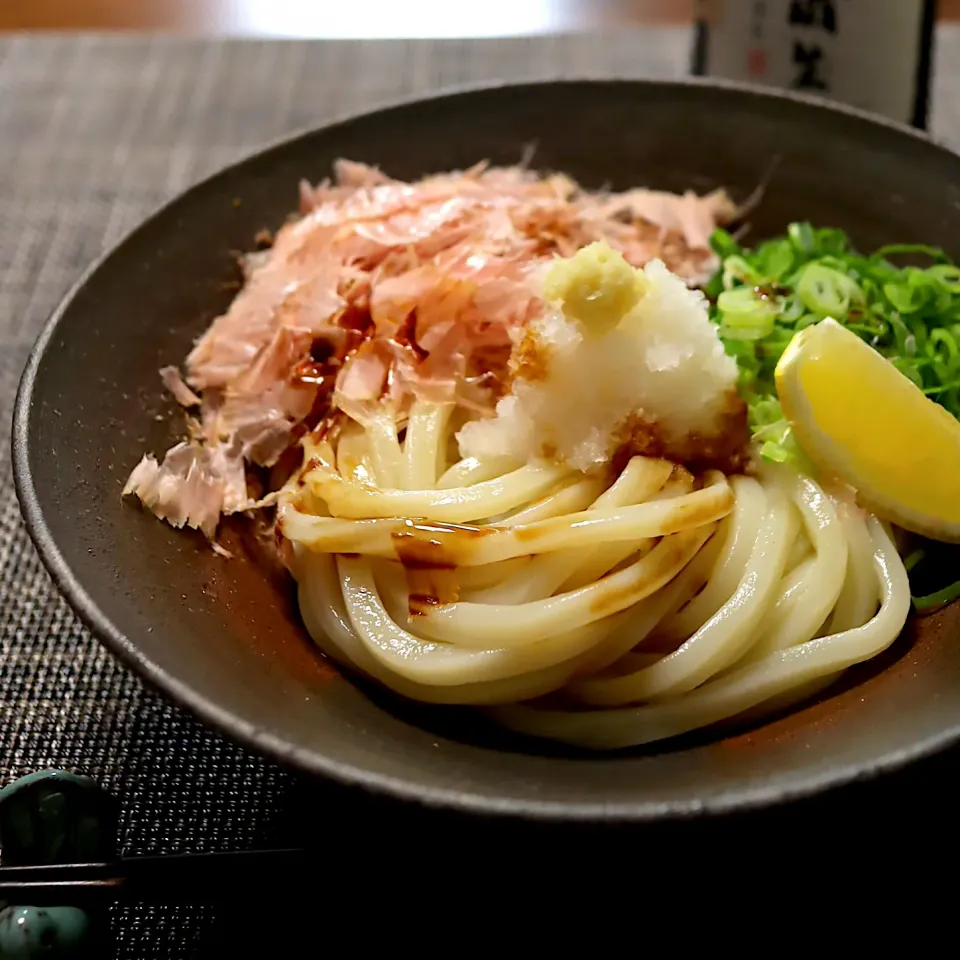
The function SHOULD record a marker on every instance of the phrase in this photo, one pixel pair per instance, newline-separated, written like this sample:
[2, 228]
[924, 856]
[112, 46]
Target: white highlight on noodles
[649, 604]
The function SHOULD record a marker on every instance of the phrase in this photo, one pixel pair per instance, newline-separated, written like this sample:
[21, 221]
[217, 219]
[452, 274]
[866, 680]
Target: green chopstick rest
[52, 817]
[38, 933]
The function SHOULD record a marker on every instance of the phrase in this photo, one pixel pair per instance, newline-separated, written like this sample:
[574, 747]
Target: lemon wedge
[863, 422]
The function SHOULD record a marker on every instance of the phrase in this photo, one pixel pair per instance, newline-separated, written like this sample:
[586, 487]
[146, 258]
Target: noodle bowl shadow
[223, 638]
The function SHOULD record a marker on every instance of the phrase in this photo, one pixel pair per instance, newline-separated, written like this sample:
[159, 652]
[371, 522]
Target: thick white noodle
[473, 624]
[385, 451]
[353, 455]
[811, 590]
[325, 617]
[642, 619]
[740, 533]
[659, 604]
[454, 505]
[858, 598]
[575, 497]
[471, 470]
[376, 609]
[593, 563]
[641, 479]
[474, 580]
[588, 528]
[723, 637]
[776, 673]
[423, 445]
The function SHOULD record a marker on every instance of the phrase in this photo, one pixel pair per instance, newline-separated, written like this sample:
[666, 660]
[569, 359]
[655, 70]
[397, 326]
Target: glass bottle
[873, 54]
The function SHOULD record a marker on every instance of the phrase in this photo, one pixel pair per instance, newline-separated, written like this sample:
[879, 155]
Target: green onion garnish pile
[761, 297]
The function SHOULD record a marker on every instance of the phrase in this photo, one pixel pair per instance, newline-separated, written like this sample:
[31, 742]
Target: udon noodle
[648, 604]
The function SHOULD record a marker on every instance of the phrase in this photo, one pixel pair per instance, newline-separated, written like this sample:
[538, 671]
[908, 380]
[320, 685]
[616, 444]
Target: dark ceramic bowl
[222, 638]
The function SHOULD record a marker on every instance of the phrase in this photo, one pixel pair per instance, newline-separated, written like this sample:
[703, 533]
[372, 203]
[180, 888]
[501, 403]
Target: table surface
[95, 131]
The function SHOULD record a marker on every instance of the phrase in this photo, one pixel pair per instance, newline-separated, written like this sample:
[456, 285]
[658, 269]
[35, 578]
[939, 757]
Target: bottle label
[873, 54]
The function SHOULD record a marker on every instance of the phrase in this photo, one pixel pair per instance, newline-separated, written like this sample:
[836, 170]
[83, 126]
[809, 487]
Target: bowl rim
[305, 759]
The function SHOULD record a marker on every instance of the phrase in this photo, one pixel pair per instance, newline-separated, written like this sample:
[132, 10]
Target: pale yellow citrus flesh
[863, 422]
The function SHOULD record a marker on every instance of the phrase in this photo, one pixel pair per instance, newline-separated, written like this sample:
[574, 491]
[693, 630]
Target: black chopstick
[164, 878]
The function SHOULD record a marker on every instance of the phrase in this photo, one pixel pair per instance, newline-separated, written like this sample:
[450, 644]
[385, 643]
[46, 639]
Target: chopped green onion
[948, 341]
[775, 259]
[901, 297]
[744, 315]
[832, 241]
[948, 276]
[908, 370]
[913, 559]
[825, 291]
[910, 249]
[774, 452]
[761, 297]
[801, 238]
[938, 599]
[723, 244]
[737, 270]
[943, 388]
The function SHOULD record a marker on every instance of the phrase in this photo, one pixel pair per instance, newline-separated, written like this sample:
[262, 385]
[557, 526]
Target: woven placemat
[94, 133]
